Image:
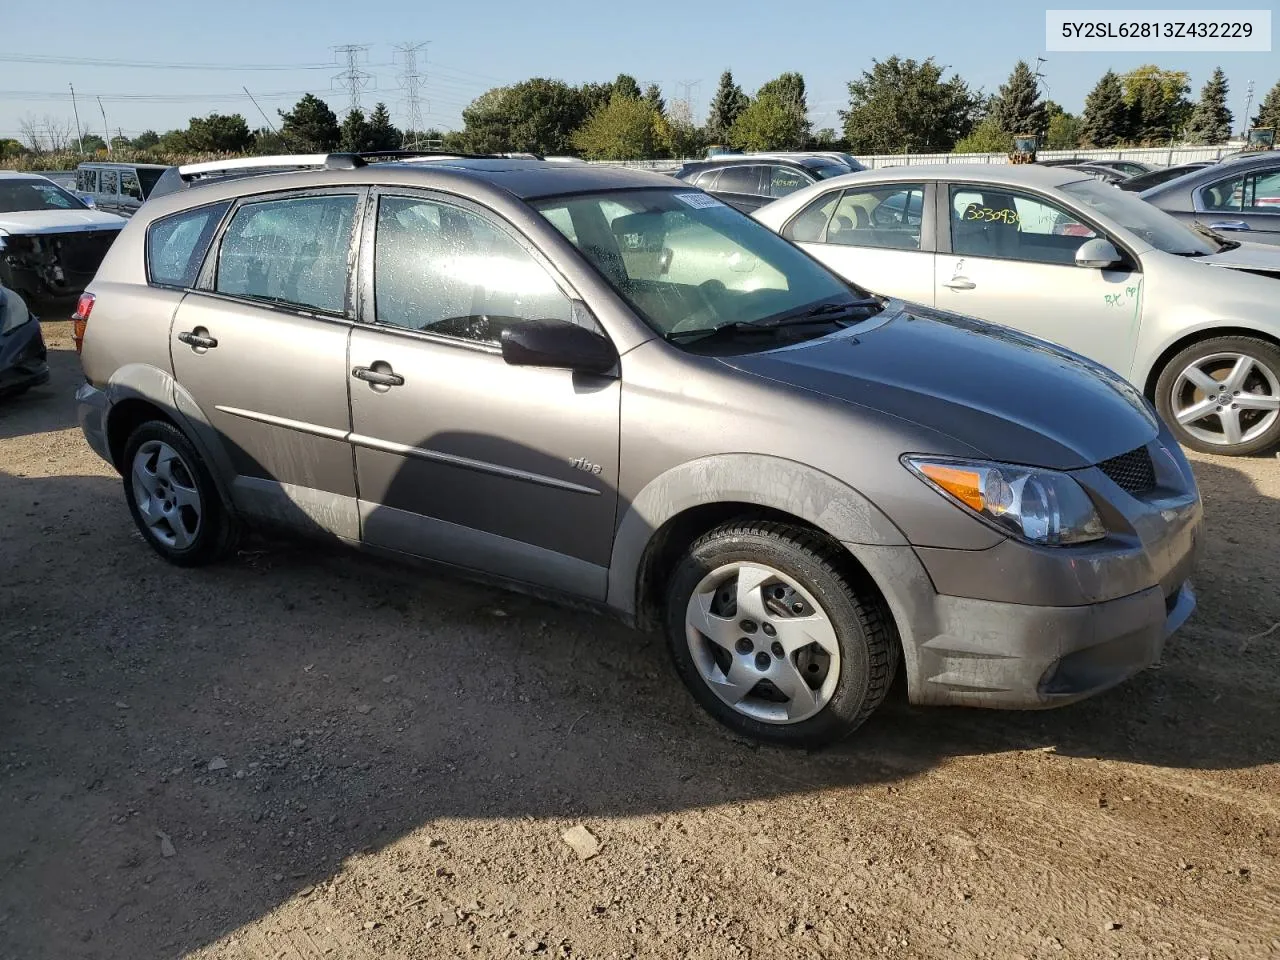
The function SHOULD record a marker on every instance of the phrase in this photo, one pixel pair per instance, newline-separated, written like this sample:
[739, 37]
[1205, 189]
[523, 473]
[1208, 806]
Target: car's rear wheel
[1223, 396]
[173, 499]
[773, 639]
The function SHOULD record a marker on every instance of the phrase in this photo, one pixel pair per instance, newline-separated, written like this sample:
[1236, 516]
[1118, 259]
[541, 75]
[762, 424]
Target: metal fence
[1164, 156]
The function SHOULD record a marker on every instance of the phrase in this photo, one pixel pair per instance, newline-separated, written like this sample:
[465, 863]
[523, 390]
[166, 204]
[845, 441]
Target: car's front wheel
[173, 499]
[773, 639]
[1223, 396]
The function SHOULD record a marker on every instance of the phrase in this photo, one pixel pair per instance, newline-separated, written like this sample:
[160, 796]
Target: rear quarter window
[177, 244]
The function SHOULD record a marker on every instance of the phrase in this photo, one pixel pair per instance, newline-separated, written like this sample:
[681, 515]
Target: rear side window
[291, 251]
[740, 179]
[176, 245]
[107, 184]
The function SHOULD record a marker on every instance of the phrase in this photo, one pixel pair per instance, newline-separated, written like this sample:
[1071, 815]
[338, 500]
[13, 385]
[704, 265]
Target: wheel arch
[685, 502]
[1153, 372]
[140, 392]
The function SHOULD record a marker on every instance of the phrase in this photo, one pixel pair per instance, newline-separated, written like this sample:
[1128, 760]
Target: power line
[412, 82]
[353, 78]
[154, 64]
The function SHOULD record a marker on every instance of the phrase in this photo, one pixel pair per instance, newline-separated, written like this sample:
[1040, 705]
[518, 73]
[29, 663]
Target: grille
[1132, 471]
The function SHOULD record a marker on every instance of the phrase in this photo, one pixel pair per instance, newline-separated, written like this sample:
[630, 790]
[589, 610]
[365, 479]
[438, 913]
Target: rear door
[108, 196]
[1247, 207]
[1009, 257]
[261, 345]
[880, 236]
[460, 456]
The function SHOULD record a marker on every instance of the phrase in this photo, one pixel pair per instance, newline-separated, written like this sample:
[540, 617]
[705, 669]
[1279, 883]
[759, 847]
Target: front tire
[173, 498]
[771, 637]
[1223, 396]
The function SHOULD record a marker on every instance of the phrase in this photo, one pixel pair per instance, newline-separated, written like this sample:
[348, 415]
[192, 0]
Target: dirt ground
[307, 753]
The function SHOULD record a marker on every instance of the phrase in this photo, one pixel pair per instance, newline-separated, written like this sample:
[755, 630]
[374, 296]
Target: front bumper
[23, 358]
[91, 411]
[1024, 627]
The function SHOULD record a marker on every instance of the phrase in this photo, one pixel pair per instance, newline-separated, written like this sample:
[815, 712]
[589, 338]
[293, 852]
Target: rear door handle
[959, 283]
[378, 378]
[1229, 225]
[199, 341]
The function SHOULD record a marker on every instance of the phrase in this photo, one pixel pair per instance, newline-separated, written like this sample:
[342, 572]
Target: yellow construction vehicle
[1261, 138]
[1024, 149]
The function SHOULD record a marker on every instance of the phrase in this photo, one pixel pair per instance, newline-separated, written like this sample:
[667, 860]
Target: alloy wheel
[1226, 399]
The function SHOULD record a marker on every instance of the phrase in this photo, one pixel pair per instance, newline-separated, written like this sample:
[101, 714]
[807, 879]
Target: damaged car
[23, 362]
[51, 242]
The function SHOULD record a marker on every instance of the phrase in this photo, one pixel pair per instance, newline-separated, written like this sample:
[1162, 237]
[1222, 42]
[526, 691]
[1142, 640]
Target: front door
[1012, 262]
[461, 457]
[262, 348]
[1246, 207]
[878, 236]
[130, 193]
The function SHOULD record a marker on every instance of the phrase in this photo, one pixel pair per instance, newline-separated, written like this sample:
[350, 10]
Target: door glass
[784, 180]
[887, 216]
[107, 183]
[87, 180]
[1250, 193]
[289, 251]
[129, 186]
[1262, 195]
[999, 223]
[448, 271]
[739, 179]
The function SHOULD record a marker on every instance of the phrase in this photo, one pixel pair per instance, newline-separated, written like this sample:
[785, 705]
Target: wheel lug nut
[762, 661]
[744, 646]
[769, 630]
[748, 626]
[777, 650]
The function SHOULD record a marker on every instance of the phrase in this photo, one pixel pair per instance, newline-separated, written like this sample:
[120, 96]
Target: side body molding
[748, 478]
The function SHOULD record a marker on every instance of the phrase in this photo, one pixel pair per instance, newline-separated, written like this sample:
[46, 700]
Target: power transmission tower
[1248, 105]
[689, 86]
[411, 84]
[353, 78]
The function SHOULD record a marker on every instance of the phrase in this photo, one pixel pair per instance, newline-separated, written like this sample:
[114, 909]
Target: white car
[51, 242]
[1189, 318]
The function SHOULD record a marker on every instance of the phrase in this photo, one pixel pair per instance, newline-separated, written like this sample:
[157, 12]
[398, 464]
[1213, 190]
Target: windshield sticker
[699, 201]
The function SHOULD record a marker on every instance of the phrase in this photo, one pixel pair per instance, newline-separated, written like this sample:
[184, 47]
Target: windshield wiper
[823, 313]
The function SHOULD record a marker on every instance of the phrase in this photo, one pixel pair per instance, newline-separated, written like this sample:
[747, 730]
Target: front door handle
[197, 340]
[379, 378]
[1229, 225]
[959, 283]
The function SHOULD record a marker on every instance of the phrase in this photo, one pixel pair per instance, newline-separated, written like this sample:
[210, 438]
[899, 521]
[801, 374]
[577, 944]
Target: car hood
[59, 221]
[1248, 256]
[1013, 397]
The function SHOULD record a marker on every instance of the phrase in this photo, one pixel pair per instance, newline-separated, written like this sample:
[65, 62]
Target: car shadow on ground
[275, 714]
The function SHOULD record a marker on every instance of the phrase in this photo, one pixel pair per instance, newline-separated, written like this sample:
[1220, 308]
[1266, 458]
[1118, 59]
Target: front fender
[756, 479]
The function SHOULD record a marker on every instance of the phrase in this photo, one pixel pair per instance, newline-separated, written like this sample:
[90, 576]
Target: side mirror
[557, 343]
[1098, 254]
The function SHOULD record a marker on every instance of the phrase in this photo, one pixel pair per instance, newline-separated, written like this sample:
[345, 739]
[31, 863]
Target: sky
[155, 72]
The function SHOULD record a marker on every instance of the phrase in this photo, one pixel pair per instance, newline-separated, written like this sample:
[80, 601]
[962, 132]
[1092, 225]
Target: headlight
[1040, 506]
[13, 312]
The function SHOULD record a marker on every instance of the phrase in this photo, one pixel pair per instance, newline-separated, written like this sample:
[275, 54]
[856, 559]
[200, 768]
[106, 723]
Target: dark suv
[749, 181]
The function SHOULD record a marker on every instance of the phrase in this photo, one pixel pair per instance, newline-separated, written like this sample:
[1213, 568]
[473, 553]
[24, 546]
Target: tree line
[899, 105]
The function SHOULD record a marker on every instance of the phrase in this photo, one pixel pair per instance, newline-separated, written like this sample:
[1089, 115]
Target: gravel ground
[307, 753]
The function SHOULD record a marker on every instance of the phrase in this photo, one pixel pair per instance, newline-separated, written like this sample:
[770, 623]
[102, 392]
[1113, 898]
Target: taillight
[80, 319]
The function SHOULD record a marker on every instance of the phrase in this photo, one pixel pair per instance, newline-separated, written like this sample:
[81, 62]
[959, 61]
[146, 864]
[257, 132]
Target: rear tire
[1223, 396]
[173, 499]
[771, 637]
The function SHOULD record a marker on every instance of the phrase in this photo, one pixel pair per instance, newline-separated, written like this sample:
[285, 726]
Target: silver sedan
[1187, 316]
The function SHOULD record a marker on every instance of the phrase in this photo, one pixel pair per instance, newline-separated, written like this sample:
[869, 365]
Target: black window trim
[1131, 261]
[187, 211]
[928, 216]
[207, 278]
[365, 315]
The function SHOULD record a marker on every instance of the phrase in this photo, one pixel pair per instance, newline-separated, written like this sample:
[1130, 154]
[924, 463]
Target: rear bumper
[91, 411]
[23, 358]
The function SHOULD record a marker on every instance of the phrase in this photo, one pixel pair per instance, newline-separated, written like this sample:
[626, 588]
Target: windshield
[1141, 219]
[21, 195]
[687, 262]
[825, 171]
